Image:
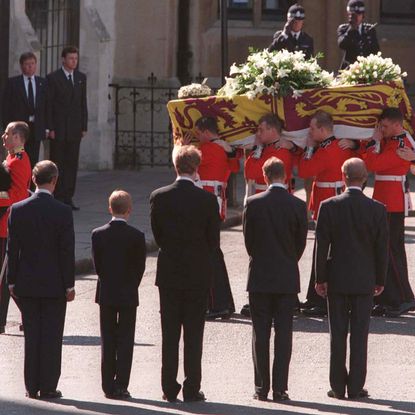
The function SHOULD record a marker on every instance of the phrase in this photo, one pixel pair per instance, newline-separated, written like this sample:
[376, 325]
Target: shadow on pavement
[91, 341]
[70, 406]
[404, 325]
[338, 408]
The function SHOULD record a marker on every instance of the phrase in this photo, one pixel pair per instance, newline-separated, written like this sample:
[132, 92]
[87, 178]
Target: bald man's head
[354, 172]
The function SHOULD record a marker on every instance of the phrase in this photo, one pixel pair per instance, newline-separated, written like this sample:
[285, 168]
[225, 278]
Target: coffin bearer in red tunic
[18, 164]
[322, 160]
[383, 158]
[269, 144]
[219, 160]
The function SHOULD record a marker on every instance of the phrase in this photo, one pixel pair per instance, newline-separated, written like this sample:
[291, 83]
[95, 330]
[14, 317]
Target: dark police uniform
[356, 42]
[285, 39]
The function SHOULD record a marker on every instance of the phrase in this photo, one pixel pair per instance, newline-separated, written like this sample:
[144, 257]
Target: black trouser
[32, 146]
[182, 308]
[65, 153]
[43, 320]
[220, 295]
[117, 346]
[4, 288]
[345, 310]
[397, 287]
[268, 308]
[312, 295]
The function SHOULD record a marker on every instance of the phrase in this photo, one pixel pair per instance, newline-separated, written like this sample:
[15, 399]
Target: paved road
[228, 373]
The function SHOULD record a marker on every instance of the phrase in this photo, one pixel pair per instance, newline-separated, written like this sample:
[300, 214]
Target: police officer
[356, 37]
[292, 37]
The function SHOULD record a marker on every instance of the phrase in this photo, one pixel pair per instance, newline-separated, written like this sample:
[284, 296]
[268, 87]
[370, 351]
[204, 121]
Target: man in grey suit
[351, 259]
[275, 230]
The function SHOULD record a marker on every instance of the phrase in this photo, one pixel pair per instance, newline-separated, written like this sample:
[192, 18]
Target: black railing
[143, 135]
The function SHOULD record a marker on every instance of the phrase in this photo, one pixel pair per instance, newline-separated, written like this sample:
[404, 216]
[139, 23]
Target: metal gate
[56, 23]
[143, 135]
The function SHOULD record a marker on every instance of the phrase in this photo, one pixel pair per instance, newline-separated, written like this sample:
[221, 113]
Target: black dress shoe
[200, 396]
[21, 328]
[223, 314]
[378, 310]
[169, 399]
[113, 395]
[315, 312]
[362, 394]
[32, 395]
[332, 394]
[260, 397]
[306, 304]
[246, 311]
[51, 395]
[393, 312]
[124, 394]
[2, 329]
[280, 396]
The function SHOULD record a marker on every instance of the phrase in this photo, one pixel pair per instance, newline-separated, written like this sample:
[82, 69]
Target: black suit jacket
[67, 105]
[16, 104]
[351, 243]
[275, 230]
[185, 222]
[41, 247]
[119, 252]
[355, 44]
[304, 43]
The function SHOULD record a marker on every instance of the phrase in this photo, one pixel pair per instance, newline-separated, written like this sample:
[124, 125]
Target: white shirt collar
[114, 219]
[184, 178]
[360, 28]
[43, 191]
[281, 185]
[355, 188]
[295, 34]
[66, 72]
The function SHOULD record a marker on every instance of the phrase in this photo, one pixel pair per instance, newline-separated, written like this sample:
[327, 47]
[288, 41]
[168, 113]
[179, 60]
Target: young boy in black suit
[119, 253]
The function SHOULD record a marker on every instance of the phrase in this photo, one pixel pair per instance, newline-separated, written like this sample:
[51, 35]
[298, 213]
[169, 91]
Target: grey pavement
[93, 189]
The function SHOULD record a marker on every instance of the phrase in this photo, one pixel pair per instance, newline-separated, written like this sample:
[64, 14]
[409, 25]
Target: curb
[85, 265]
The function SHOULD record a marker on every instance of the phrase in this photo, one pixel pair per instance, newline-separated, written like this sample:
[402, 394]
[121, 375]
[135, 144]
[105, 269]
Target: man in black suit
[275, 230]
[68, 120]
[185, 222]
[292, 37]
[119, 253]
[41, 265]
[24, 99]
[350, 264]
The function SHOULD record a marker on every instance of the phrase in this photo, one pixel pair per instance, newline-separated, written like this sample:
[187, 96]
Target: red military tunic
[325, 166]
[253, 166]
[18, 164]
[215, 168]
[390, 172]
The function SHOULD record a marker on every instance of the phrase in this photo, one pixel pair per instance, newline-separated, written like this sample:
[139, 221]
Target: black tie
[70, 79]
[31, 97]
